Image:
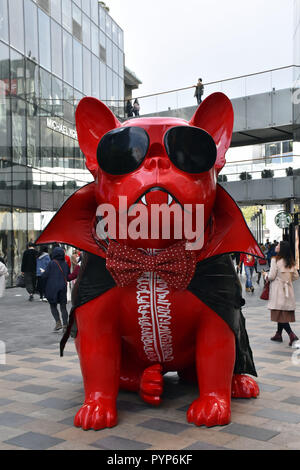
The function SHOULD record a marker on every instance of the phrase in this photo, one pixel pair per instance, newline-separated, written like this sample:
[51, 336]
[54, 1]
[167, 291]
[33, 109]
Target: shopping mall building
[52, 53]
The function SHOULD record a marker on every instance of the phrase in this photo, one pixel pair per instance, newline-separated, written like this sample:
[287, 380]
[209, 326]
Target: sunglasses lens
[122, 150]
[190, 149]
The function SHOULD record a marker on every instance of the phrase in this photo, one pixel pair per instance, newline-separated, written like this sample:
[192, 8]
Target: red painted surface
[117, 344]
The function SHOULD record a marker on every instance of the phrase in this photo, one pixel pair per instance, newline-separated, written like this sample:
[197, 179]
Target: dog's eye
[190, 149]
[122, 150]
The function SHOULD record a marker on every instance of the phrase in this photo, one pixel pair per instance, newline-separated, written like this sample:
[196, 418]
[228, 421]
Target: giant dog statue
[142, 308]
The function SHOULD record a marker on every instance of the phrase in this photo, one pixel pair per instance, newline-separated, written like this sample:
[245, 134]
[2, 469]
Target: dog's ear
[93, 120]
[215, 115]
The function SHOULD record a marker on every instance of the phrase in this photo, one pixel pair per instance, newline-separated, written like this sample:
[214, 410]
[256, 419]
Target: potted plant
[267, 174]
[222, 179]
[245, 176]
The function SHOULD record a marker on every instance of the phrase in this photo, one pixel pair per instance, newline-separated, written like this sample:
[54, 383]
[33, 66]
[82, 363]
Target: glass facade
[52, 53]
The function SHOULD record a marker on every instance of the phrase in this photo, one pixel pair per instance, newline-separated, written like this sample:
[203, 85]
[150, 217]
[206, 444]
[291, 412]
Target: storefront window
[16, 24]
[44, 40]
[86, 31]
[77, 59]
[86, 6]
[31, 31]
[109, 52]
[45, 93]
[67, 14]
[56, 10]
[6, 238]
[103, 95]
[67, 58]
[3, 20]
[18, 131]
[96, 77]
[102, 18]
[94, 11]
[87, 72]
[5, 121]
[56, 49]
[17, 74]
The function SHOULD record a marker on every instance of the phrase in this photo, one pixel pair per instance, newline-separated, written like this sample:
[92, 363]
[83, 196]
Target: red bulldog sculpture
[142, 308]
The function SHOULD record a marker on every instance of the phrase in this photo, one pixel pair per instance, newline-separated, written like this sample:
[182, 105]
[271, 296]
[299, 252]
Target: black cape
[215, 283]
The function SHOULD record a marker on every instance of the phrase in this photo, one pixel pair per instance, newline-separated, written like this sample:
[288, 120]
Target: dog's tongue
[157, 197]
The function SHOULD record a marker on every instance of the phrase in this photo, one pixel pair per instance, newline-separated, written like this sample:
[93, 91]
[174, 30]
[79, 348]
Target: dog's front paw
[244, 386]
[151, 386]
[209, 411]
[96, 414]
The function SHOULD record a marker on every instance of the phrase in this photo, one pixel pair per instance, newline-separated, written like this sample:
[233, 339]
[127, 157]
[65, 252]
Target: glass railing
[276, 166]
[236, 87]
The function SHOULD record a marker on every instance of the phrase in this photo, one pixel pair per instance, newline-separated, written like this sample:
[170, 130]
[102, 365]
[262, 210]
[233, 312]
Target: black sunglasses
[122, 151]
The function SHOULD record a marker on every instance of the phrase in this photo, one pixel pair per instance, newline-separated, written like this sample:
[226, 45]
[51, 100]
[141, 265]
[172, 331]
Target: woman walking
[56, 275]
[282, 298]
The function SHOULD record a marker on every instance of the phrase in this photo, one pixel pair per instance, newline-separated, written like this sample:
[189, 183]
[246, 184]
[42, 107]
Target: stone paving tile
[13, 420]
[16, 377]
[253, 426]
[203, 446]
[36, 389]
[57, 403]
[283, 377]
[278, 415]
[252, 432]
[34, 441]
[293, 401]
[118, 443]
[162, 425]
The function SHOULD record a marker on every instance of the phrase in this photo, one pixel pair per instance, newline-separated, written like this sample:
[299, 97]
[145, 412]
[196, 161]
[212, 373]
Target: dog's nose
[162, 163]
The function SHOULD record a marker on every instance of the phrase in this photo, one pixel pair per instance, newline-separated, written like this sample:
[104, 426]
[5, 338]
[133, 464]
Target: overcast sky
[170, 43]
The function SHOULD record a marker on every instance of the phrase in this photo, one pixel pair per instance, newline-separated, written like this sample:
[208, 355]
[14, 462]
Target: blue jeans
[249, 272]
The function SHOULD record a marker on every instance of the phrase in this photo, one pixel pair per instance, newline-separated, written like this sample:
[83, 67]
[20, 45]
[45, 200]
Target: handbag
[20, 281]
[266, 291]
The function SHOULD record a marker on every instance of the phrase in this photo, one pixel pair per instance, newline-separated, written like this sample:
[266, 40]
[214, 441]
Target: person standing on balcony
[249, 263]
[136, 108]
[199, 91]
[129, 109]
[281, 303]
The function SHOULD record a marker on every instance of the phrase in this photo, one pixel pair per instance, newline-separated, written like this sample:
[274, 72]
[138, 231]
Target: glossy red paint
[199, 344]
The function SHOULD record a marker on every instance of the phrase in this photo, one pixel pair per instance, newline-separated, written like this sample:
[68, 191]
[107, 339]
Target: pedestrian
[129, 109]
[28, 269]
[199, 91]
[67, 259]
[3, 275]
[262, 265]
[249, 263]
[271, 252]
[136, 108]
[41, 264]
[281, 297]
[56, 275]
[74, 259]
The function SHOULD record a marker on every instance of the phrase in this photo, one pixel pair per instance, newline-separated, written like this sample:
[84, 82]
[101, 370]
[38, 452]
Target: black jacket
[56, 275]
[29, 261]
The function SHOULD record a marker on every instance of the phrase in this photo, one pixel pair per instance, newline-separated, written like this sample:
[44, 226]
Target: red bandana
[175, 265]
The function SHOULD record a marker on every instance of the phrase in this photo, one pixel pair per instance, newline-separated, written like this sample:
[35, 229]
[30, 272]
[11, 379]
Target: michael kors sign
[59, 127]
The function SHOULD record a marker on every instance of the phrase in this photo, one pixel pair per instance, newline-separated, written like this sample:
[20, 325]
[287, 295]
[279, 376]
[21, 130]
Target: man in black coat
[55, 277]
[28, 269]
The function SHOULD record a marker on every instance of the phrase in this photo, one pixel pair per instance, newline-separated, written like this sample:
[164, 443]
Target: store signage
[283, 219]
[59, 127]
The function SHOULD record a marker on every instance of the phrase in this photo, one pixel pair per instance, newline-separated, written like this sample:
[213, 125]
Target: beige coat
[282, 295]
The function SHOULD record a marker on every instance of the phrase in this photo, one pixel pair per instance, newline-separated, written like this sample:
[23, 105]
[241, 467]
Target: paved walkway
[40, 393]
